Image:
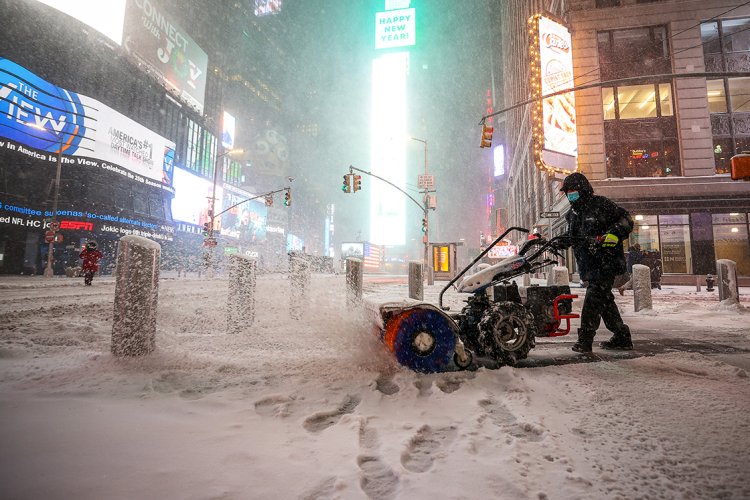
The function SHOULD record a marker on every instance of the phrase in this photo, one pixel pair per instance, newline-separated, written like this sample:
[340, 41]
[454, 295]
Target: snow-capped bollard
[697, 283]
[558, 276]
[354, 279]
[136, 296]
[416, 287]
[299, 279]
[726, 274]
[641, 287]
[241, 297]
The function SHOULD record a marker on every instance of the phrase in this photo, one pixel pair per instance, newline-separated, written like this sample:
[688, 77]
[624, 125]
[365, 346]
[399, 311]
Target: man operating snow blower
[596, 228]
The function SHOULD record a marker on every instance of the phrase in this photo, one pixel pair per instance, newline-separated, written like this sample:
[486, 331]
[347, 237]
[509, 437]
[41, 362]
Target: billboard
[227, 131]
[37, 114]
[105, 17]
[151, 37]
[266, 7]
[395, 28]
[248, 222]
[192, 194]
[554, 117]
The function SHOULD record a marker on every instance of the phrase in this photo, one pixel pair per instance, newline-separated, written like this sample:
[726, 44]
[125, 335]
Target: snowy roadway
[315, 409]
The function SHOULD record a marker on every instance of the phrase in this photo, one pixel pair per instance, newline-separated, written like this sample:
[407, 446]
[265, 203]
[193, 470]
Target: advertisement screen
[395, 28]
[191, 197]
[152, 37]
[248, 221]
[37, 114]
[559, 113]
[356, 250]
[105, 17]
[227, 133]
[266, 7]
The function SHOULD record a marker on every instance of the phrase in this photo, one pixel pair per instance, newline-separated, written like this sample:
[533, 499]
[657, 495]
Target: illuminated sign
[499, 160]
[395, 28]
[266, 7]
[227, 133]
[248, 221]
[151, 37]
[75, 225]
[191, 197]
[105, 17]
[37, 114]
[554, 118]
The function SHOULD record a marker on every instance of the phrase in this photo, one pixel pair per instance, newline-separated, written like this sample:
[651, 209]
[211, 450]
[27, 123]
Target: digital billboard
[152, 37]
[248, 222]
[105, 17]
[227, 131]
[267, 7]
[37, 114]
[395, 28]
[191, 198]
[555, 117]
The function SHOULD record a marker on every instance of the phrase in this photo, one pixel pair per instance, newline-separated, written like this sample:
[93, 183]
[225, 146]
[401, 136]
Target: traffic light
[347, 186]
[424, 226]
[486, 141]
[206, 228]
[288, 198]
[269, 200]
[357, 183]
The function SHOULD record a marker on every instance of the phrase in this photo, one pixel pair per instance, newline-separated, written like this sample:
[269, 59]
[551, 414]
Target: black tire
[469, 360]
[507, 331]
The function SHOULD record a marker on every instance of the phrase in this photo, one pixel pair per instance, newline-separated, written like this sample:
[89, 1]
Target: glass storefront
[731, 240]
[674, 232]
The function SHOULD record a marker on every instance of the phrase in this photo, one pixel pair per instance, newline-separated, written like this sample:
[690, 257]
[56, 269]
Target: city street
[210, 414]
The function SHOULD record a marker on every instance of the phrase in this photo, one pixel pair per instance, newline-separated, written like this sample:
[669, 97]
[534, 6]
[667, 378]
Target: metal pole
[48, 272]
[210, 250]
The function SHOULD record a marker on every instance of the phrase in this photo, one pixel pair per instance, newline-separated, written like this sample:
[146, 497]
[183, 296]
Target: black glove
[561, 243]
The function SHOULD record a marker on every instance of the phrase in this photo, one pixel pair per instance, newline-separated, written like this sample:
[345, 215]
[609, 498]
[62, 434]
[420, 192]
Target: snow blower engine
[496, 325]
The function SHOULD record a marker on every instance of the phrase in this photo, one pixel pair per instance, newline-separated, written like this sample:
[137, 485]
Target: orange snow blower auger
[496, 326]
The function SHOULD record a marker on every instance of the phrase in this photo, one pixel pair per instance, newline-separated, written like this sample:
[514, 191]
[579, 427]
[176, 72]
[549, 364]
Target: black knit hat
[577, 182]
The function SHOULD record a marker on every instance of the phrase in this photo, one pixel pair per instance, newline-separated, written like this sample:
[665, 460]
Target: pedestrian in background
[635, 256]
[596, 229]
[91, 257]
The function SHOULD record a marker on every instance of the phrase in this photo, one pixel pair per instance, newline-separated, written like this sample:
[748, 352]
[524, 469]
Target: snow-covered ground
[316, 409]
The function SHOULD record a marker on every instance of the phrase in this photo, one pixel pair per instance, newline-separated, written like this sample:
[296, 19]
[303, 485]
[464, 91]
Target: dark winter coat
[91, 260]
[591, 217]
[635, 256]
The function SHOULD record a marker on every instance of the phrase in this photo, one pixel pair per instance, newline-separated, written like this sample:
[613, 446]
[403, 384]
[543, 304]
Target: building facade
[652, 137]
[104, 200]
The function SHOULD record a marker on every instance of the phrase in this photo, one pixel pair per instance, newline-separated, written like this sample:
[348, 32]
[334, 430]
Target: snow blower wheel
[507, 330]
[421, 339]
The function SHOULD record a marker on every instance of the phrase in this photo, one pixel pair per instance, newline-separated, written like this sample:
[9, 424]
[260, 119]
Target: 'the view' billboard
[152, 37]
[37, 114]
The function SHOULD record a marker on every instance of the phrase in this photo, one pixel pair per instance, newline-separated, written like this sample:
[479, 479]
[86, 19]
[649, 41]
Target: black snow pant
[598, 305]
[88, 277]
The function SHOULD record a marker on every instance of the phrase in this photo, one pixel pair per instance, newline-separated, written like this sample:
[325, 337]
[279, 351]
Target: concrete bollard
[697, 283]
[726, 277]
[354, 280]
[416, 286]
[299, 278]
[526, 280]
[136, 296]
[641, 287]
[241, 296]
[558, 276]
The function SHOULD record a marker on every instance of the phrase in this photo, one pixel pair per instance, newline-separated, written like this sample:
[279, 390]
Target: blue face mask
[573, 196]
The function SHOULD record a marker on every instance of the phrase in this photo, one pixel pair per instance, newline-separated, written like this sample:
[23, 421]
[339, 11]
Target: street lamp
[430, 279]
[48, 271]
[210, 240]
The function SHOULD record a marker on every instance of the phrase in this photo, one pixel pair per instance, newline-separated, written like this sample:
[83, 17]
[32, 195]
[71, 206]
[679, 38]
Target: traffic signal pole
[423, 206]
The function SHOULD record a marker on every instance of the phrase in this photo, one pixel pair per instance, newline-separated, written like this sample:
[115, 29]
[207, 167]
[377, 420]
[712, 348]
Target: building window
[731, 240]
[645, 232]
[633, 52]
[674, 235]
[726, 45]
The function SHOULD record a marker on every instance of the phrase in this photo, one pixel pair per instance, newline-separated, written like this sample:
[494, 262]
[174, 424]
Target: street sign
[49, 236]
[426, 181]
[549, 215]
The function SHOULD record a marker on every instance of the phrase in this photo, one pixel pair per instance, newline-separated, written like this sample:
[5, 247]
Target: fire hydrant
[710, 283]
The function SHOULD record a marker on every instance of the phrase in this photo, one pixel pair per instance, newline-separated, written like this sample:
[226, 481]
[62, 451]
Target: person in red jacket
[91, 256]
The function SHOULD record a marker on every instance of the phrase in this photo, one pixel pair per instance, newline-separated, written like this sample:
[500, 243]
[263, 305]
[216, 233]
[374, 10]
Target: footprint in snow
[377, 480]
[422, 449]
[323, 420]
[276, 406]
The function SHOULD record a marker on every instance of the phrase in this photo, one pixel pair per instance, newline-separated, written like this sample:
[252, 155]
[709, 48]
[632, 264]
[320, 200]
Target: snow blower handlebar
[476, 259]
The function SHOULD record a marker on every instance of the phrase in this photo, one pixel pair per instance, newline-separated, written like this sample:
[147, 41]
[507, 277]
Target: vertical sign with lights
[394, 29]
[553, 118]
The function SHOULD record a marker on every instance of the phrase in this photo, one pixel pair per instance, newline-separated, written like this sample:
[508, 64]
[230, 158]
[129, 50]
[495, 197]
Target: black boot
[584, 343]
[620, 341]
